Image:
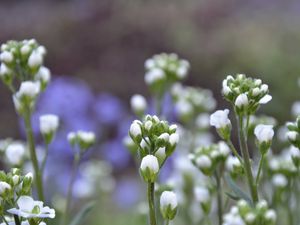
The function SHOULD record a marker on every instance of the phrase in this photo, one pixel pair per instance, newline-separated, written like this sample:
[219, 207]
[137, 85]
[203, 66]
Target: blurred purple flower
[109, 109]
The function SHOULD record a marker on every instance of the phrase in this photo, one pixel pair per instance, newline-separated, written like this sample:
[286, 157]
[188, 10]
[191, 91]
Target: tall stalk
[152, 213]
[219, 197]
[245, 153]
[32, 150]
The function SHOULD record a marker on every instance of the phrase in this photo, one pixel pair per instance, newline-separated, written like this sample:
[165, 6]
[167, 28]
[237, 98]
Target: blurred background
[96, 53]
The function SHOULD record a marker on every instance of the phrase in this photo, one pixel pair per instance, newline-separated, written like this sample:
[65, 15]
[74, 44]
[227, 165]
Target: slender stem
[45, 159]
[261, 161]
[5, 221]
[219, 198]
[152, 215]
[167, 222]
[17, 220]
[247, 163]
[31, 145]
[70, 188]
[233, 149]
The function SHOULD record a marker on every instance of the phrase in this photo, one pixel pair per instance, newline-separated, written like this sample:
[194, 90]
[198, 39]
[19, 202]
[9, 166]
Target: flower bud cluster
[245, 93]
[23, 61]
[293, 134]
[283, 163]
[207, 158]
[191, 101]
[83, 139]
[163, 70]
[13, 184]
[245, 214]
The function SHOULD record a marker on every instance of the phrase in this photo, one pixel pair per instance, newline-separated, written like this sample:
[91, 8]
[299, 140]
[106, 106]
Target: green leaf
[79, 218]
[238, 193]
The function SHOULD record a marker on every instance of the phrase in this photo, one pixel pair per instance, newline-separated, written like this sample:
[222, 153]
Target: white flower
[230, 219]
[202, 194]
[29, 89]
[279, 180]
[3, 187]
[292, 135]
[223, 148]
[202, 120]
[241, 100]
[168, 198]
[26, 206]
[265, 99]
[257, 82]
[264, 133]
[161, 153]
[138, 103]
[15, 153]
[6, 57]
[4, 70]
[25, 49]
[219, 119]
[255, 91]
[149, 64]
[182, 72]
[203, 161]
[250, 217]
[150, 162]
[264, 88]
[148, 125]
[43, 74]
[173, 139]
[135, 129]
[296, 109]
[154, 75]
[35, 59]
[48, 123]
[71, 137]
[15, 179]
[295, 152]
[164, 136]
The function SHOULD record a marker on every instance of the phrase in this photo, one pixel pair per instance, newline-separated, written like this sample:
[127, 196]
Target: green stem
[17, 220]
[261, 161]
[152, 215]
[233, 149]
[246, 157]
[219, 198]
[45, 159]
[31, 146]
[167, 222]
[70, 189]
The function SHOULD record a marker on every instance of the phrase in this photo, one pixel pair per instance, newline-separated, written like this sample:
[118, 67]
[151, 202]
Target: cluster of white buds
[244, 214]
[293, 134]
[246, 94]
[208, 157]
[83, 139]
[283, 163]
[23, 61]
[203, 196]
[191, 101]
[264, 135]
[163, 70]
[48, 126]
[222, 123]
[28, 208]
[168, 205]
[13, 184]
[138, 104]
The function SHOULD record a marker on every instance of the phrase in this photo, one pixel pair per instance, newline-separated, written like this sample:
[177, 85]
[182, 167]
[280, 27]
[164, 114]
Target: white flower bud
[42, 50]
[148, 125]
[219, 119]
[223, 148]
[264, 133]
[138, 103]
[28, 89]
[4, 70]
[182, 72]
[295, 152]
[135, 130]
[241, 100]
[257, 82]
[35, 59]
[25, 49]
[250, 217]
[149, 168]
[165, 137]
[203, 162]
[29, 175]
[6, 57]
[279, 180]
[292, 135]
[168, 204]
[3, 187]
[15, 153]
[71, 137]
[173, 139]
[264, 88]
[271, 215]
[16, 179]
[255, 91]
[154, 75]
[48, 123]
[231, 163]
[173, 128]
[161, 153]
[43, 74]
[202, 194]
[86, 136]
[149, 64]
